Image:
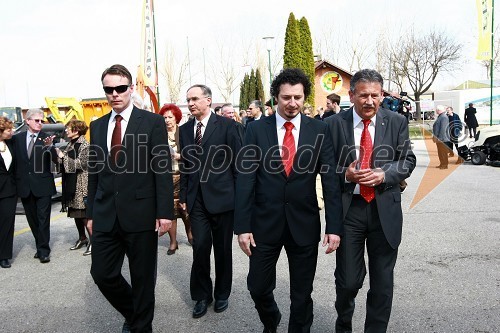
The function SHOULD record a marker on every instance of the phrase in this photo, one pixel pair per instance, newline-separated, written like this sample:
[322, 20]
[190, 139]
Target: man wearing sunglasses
[130, 200]
[34, 180]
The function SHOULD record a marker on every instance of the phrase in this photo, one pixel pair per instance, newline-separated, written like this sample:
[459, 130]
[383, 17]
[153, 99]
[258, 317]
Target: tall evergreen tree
[307, 61]
[292, 55]
[252, 87]
[244, 92]
[259, 87]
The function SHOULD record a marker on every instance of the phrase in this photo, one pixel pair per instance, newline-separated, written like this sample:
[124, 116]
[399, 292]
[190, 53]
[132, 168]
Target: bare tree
[358, 50]
[327, 45]
[225, 76]
[174, 73]
[419, 58]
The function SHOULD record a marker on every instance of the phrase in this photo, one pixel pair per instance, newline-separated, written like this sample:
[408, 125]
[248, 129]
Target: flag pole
[156, 54]
[491, 60]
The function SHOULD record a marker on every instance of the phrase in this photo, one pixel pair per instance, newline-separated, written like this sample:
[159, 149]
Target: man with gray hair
[373, 151]
[256, 109]
[35, 181]
[209, 145]
[440, 130]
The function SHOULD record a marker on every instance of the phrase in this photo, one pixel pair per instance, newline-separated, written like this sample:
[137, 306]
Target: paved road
[447, 275]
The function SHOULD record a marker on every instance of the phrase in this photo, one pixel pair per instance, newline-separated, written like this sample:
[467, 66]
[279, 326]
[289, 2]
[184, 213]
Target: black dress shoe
[126, 327]
[79, 244]
[44, 260]
[221, 305]
[4, 263]
[88, 251]
[275, 328]
[35, 256]
[172, 251]
[200, 308]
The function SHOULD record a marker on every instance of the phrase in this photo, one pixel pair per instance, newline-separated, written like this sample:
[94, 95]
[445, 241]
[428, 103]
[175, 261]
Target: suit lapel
[272, 134]
[103, 133]
[380, 127]
[129, 140]
[348, 130]
[22, 145]
[304, 139]
[273, 144]
[211, 126]
[188, 134]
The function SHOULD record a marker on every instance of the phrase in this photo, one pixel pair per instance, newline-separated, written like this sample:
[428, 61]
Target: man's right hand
[245, 241]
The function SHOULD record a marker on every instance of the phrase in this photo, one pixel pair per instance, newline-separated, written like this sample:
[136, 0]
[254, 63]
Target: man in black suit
[277, 206]
[35, 181]
[209, 145]
[130, 200]
[371, 199]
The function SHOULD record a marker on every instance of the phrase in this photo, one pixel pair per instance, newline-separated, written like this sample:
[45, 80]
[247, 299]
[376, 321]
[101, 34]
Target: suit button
[116, 193]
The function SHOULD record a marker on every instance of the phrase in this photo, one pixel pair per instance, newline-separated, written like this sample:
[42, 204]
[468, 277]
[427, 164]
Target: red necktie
[288, 148]
[365, 156]
[116, 138]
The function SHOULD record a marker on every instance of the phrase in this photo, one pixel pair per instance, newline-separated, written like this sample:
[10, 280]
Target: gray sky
[60, 48]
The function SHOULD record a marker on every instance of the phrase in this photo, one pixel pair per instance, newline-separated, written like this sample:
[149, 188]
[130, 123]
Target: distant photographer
[394, 102]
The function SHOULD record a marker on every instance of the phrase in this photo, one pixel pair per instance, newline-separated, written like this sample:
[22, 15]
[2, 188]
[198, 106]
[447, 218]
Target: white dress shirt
[7, 156]
[28, 138]
[204, 123]
[111, 124]
[358, 125]
[280, 129]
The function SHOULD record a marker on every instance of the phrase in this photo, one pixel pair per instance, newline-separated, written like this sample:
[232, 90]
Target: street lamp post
[268, 47]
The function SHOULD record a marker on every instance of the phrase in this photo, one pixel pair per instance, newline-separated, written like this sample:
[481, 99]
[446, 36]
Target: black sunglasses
[119, 89]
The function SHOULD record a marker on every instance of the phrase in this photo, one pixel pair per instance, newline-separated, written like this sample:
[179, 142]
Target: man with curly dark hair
[276, 205]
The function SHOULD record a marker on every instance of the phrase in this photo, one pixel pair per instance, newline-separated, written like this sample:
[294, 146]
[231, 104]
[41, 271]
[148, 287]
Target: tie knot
[366, 122]
[118, 118]
[32, 136]
[199, 124]
[288, 126]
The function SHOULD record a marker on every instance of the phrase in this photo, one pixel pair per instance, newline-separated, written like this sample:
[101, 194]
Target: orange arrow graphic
[432, 176]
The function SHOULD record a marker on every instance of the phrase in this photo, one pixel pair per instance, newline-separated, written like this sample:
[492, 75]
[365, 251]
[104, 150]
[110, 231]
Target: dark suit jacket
[391, 152]
[140, 190]
[326, 114]
[210, 167]
[7, 176]
[267, 199]
[33, 174]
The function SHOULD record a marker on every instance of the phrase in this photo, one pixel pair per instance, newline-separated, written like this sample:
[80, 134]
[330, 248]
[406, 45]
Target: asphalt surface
[447, 277]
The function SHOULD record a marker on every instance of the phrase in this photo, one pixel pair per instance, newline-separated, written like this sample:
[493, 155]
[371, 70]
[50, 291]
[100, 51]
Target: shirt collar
[356, 119]
[29, 133]
[280, 121]
[204, 121]
[125, 113]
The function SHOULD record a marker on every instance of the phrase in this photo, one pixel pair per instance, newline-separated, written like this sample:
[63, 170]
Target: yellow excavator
[63, 109]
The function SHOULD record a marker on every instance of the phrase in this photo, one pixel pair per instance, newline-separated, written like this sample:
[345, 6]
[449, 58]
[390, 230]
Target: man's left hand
[373, 178]
[163, 226]
[333, 242]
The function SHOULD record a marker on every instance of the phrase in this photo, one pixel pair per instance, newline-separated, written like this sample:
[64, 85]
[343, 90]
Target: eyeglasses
[119, 89]
[37, 120]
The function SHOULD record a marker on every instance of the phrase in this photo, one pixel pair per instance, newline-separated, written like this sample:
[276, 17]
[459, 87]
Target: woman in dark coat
[471, 120]
[8, 195]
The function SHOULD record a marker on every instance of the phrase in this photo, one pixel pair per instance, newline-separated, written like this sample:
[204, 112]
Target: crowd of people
[253, 174]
